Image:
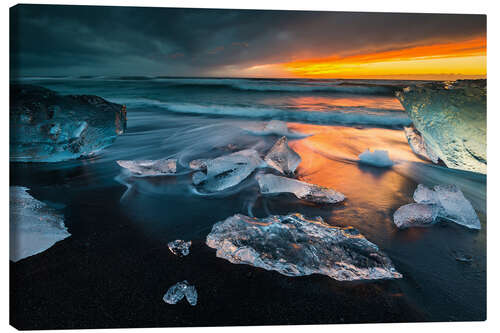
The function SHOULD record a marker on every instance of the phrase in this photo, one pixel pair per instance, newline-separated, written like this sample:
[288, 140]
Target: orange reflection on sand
[317, 103]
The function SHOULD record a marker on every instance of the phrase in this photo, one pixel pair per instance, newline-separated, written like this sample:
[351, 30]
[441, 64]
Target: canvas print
[213, 167]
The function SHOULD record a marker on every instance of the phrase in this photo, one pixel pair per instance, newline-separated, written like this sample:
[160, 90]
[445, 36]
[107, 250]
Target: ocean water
[115, 268]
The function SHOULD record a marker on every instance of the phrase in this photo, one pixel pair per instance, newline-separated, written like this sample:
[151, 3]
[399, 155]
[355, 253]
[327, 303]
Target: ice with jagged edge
[278, 127]
[378, 158]
[34, 226]
[227, 171]
[451, 117]
[453, 206]
[418, 145]
[179, 247]
[147, 168]
[180, 290]
[295, 246]
[282, 158]
[271, 184]
[416, 215]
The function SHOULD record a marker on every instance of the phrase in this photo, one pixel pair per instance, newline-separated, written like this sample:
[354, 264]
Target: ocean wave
[352, 117]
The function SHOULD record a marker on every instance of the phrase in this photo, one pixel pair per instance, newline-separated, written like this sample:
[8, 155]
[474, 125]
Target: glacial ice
[294, 246]
[416, 215]
[180, 290]
[34, 226]
[282, 158]
[451, 117]
[48, 127]
[271, 184]
[418, 145]
[199, 164]
[452, 204]
[278, 127]
[228, 170]
[379, 158]
[179, 247]
[146, 168]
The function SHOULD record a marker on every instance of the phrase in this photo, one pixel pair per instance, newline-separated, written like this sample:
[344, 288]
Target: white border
[420, 6]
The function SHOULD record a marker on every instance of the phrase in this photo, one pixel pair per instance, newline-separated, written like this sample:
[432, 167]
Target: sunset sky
[71, 40]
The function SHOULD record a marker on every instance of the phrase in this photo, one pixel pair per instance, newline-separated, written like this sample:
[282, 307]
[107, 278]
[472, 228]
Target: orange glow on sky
[439, 60]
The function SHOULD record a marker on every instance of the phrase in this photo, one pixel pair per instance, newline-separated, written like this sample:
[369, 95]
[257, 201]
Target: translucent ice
[418, 145]
[278, 127]
[179, 247]
[199, 164]
[178, 291]
[34, 226]
[379, 158]
[416, 215]
[270, 184]
[228, 170]
[296, 246]
[451, 117]
[282, 158]
[452, 204]
[48, 127]
[146, 168]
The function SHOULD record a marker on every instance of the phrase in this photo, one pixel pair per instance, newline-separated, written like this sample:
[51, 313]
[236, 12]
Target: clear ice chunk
[34, 226]
[199, 164]
[379, 158]
[179, 247]
[451, 117]
[282, 158]
[295, 246]
[278, 127]
[178, 291]
[452, 204]
[48, 127]
[418, 145]
[145, 168]
[227, 171]
[271, 184]
[416, 215]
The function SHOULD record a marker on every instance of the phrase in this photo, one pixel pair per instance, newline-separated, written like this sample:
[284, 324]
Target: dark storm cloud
[86, 40]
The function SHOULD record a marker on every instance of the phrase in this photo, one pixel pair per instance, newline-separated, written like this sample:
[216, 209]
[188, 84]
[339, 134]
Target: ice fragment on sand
[296, 246]
[270, 184]
[282, 158]
[228, 170]
[150, 167]
[418, 145]
[379, 158]
[416, 215]
[34, 226]
[179, 247]
[178, 291]
[452, 204]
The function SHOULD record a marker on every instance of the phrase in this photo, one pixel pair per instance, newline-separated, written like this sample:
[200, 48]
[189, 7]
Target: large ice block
[227, 171]
[34, 226]
[271, 184]
[147, 168]
[48, 127]
[294, 246]
[282, 158]
[451, 117]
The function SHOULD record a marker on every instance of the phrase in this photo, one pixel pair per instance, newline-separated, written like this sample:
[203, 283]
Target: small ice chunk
[418, 145]
[453, 205]
[295, 246]
[178, 291]
[278, 127]
[228, 170]
[270, 184]
[199, 164]
[379, 158]
[179, 247]
[34, 226]
[146, 168]
[282, 158]
[416, 215]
